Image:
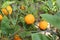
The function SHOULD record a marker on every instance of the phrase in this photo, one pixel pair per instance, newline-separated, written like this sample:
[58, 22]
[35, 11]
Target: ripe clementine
[22, 7]
[29, 19]
[1, 17]
[16, 37]
[4, 11]
[7, 10]
[43, 25]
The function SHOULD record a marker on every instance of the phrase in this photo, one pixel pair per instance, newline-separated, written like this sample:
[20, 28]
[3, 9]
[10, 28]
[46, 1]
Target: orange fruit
[16, 37]
[1, 17]
[29, 19]
[7, 10]
[4, 11]
[22, 7]
[43, 25]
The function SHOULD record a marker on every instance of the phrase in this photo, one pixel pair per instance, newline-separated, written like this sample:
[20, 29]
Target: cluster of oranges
[29, 19]
[6, 11]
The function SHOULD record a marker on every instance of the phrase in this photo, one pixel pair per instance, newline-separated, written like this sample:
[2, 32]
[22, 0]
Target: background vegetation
[13, 24]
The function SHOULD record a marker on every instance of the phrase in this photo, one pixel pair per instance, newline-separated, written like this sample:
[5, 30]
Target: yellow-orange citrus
[7, 10]
[22, 7]
[1, 17]
[29, 19]
[43, 25]
[16, 37]
[4, 11]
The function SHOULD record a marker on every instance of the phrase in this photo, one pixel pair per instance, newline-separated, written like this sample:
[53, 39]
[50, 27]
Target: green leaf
[25, 34]
[5, 4]
[50, 4]
[5, 25]
[5, 22]
[58, 14]
[53, 19]
[37, 36]
[58, 3]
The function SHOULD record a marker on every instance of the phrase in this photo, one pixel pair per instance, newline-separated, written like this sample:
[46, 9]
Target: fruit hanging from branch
[43, 25]
[7, 10]
[29, 19]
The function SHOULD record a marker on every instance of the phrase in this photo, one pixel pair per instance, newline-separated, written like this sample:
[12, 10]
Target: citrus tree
[29, 20]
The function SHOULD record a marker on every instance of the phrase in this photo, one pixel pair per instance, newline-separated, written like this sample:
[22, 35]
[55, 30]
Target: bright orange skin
[29, 19]
[16, 37]
[22, 8]
[4, 11]
[7, 10]
[43, 25]
[1, 17]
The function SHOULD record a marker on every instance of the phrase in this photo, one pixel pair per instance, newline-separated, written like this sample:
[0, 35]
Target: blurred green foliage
[15, 24]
